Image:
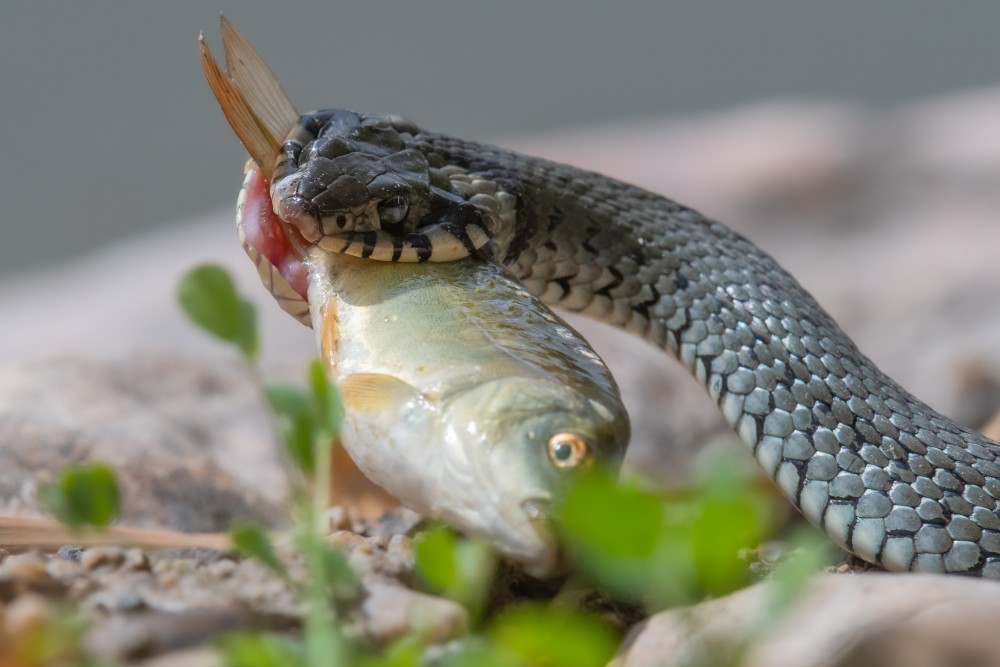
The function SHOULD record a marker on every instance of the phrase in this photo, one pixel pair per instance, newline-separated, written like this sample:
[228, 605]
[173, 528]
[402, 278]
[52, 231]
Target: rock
[867, 620]
[150, 633]
[391, 612]
[188, 439]
[196, 657]
[96, 557]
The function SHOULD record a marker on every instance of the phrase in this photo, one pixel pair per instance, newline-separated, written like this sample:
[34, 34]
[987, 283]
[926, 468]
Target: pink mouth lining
[265, 232]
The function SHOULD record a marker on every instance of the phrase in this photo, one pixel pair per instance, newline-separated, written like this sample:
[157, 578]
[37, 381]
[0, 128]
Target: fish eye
[393, 209]
[568, 450]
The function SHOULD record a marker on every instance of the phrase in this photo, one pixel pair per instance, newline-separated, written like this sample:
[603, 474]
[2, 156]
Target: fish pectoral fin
[368, 392]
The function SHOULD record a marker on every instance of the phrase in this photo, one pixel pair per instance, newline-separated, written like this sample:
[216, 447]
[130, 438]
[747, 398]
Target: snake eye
[393, 210]
[567, 450]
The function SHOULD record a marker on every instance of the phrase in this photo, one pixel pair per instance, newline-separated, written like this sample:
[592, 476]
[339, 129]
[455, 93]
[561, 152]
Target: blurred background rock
[859, 143]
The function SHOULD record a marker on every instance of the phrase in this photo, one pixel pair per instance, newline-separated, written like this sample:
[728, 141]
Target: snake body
[887, 477]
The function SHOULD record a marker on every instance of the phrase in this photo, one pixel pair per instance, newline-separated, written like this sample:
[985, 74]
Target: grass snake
[888, 478]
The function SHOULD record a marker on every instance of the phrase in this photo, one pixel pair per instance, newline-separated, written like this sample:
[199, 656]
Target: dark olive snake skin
[884, 475]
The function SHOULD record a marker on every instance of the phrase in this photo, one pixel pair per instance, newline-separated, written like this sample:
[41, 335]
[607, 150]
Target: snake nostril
[341, 220]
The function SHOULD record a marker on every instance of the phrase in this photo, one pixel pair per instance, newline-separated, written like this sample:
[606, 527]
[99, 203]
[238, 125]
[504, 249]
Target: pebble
[890, 620]
[96, 557]
[345, 540]
[136, 560]
[391, 612]
[338, 518]
[29, 566]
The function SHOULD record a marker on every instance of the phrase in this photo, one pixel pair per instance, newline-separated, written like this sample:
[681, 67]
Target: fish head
[515, 444]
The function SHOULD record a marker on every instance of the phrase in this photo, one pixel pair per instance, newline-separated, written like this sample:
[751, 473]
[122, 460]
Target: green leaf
[611, 531]
[621, 519]
[327, 399]
[84, 495]
[246, 338]
[729, 516]
[208, 296]
[554, 636]
[434, 555]
[475, 652]
[460, 569]
[287, 399]
[338, 577]
[300, 438]
[246, 649]
[250, 540]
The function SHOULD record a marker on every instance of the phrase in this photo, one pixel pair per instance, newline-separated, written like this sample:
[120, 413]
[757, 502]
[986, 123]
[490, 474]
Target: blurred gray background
[107, 128]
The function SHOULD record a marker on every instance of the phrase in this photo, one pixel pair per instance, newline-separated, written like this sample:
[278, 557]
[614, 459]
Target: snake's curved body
[885, 476]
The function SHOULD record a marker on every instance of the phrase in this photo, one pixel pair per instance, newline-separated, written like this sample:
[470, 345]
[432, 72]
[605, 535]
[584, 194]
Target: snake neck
[887, 477]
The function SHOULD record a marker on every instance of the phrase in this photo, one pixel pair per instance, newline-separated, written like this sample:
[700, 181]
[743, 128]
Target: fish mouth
[267, 235]
[548, 559]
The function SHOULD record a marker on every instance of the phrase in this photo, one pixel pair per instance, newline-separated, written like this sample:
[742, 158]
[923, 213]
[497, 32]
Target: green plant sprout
[84, 496]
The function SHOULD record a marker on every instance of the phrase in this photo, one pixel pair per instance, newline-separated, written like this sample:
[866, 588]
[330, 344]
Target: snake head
[368, 186]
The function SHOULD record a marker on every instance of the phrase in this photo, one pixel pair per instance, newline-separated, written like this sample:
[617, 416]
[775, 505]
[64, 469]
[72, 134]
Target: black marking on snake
[683, 327]
[900, 532]
[564, 285]
[850, 528]
[758, 420]
[881, 547]
[978, 567]
[643, 307]
[369, 239]
[616, 279]
[397, 248]
[639, 256]
[555, 218]
[421, 244]
[800, 468]
[703, 367]
[549, 245]
[348, 242]
[707, 360]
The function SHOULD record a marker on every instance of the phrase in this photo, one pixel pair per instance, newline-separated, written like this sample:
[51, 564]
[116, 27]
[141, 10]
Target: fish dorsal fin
[376, 392]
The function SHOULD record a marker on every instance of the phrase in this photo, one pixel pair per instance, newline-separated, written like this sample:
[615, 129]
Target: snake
[887, 478]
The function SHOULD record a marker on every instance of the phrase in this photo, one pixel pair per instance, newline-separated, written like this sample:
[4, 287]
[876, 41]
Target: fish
[464, 396]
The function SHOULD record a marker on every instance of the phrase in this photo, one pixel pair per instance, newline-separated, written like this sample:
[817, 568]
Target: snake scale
[888, 478]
